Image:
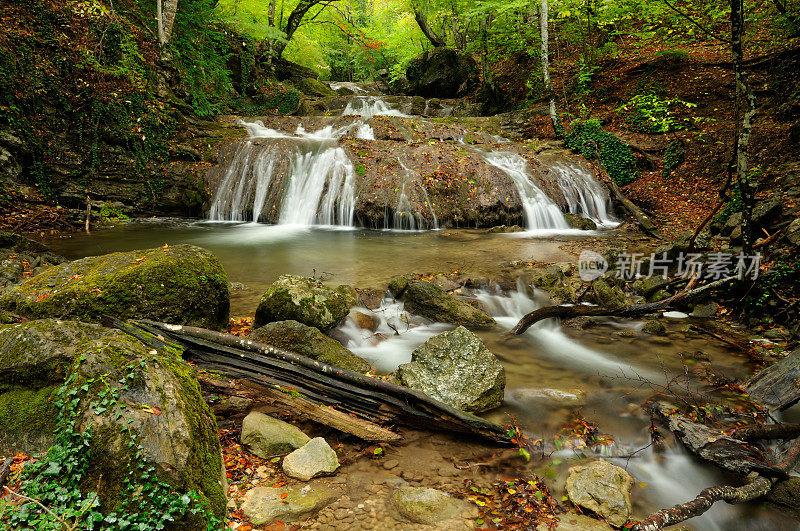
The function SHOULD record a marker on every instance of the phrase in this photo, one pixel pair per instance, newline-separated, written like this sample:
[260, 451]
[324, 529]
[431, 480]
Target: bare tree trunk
[435, 39]
[160, 21]
[294, 20]
[170, 10]
[271, 22]
[548, 83]
[743, 139]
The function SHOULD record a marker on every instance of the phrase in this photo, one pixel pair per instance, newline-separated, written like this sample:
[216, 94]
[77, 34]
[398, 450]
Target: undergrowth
[589, 139]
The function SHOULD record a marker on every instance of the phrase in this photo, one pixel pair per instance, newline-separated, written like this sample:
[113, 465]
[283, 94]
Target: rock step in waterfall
[307, 178]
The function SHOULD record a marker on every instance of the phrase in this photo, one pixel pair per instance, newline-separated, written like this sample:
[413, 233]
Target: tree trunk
[743, 139]
[435, 39]
[548, 83]
[170, 11]
[160, 21]
[271, 22]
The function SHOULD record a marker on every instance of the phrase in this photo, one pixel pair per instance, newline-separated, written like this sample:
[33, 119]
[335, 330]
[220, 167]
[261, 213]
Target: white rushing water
[400, 333]
[584, 194]
[317, 184]
[541, 212]
[369, 106]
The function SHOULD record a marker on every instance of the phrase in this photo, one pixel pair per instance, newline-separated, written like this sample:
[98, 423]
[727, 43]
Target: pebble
[390, 464]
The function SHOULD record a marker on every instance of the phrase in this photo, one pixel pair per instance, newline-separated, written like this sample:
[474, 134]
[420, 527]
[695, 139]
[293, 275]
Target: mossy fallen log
[364, 397]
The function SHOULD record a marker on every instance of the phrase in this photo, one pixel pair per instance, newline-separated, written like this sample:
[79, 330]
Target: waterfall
[585, 196]
[316, 184]
[369, 106]
[541, 212]
[321, 189]
[364, 131]
[405, 217]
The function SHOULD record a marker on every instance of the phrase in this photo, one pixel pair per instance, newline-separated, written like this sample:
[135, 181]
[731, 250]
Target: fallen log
[298, 405]
[766, 432]
[756, 487]
[714, 446]
[777, 386]
[636, 310]
[367, 398]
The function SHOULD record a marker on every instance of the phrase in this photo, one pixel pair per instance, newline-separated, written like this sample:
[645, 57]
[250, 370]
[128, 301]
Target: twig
[64, 523]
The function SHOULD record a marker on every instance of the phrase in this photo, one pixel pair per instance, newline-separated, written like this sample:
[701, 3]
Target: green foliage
[649, 113]
[112, 214]
[199, 47]
[782, 275]
[57, 479]
[589, 139]
[673, 157]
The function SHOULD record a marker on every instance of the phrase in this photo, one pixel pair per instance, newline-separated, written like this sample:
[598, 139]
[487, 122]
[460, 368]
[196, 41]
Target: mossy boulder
[309, 342]
[456, 368]
[579, 222]
[183, 284]
[305, 300]
[313, 87]
[124, 388]
[608, 296]
[553, 280]
[423, 505]
[428, 300]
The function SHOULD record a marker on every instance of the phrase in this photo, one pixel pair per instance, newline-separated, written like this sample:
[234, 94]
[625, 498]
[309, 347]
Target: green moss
[182, 284]
[22, 410]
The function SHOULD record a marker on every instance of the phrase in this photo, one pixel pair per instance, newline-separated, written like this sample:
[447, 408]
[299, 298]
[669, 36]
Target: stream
[304, 184]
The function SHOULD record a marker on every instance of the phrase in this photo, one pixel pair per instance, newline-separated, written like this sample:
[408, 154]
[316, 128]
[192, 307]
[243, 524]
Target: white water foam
[369, 106]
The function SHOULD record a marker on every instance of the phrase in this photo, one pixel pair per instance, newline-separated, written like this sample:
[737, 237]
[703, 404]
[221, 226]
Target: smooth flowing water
[552, 372]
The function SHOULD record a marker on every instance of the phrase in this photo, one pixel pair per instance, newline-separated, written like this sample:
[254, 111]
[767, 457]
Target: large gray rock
[309, 342]
[734, 221]
[602, 488]
[425, 299]
[314, 459]
[267, 437]
[442, 73]
[124, 387]
[306, 300]
[423, 505]
[263, 505]
[456, 368]
[182, 284]
[793, 232]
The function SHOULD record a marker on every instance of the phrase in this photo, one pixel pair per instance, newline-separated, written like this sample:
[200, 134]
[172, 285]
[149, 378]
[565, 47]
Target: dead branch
[566, 312]
[756, 487]
[302, 407]
[367, 398]
[767, 432]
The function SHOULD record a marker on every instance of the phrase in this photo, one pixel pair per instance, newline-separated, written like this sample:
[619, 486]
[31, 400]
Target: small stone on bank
[314, 459]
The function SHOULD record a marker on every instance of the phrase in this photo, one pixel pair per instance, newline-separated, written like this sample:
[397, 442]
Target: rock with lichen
[305, 300]
[139, 408]
[182, 284]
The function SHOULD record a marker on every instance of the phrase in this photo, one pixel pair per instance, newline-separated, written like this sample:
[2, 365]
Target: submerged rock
[311, 343]
[306, 300]
[267, 437]
[154, 395]
[505, 229]
[579, 222]
[315, 458]
[654, 327]
[575, 522]
[423, 505]
[263, 505]
[608, 296]
[457, 369]
[425, 299]
[602, 488]
[183, 284]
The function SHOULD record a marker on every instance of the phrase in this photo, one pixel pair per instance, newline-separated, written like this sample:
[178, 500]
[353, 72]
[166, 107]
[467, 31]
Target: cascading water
[585, 196]
[369, 106]
[323, 178]
[541, 213]
[318, 187]
[405, 216]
